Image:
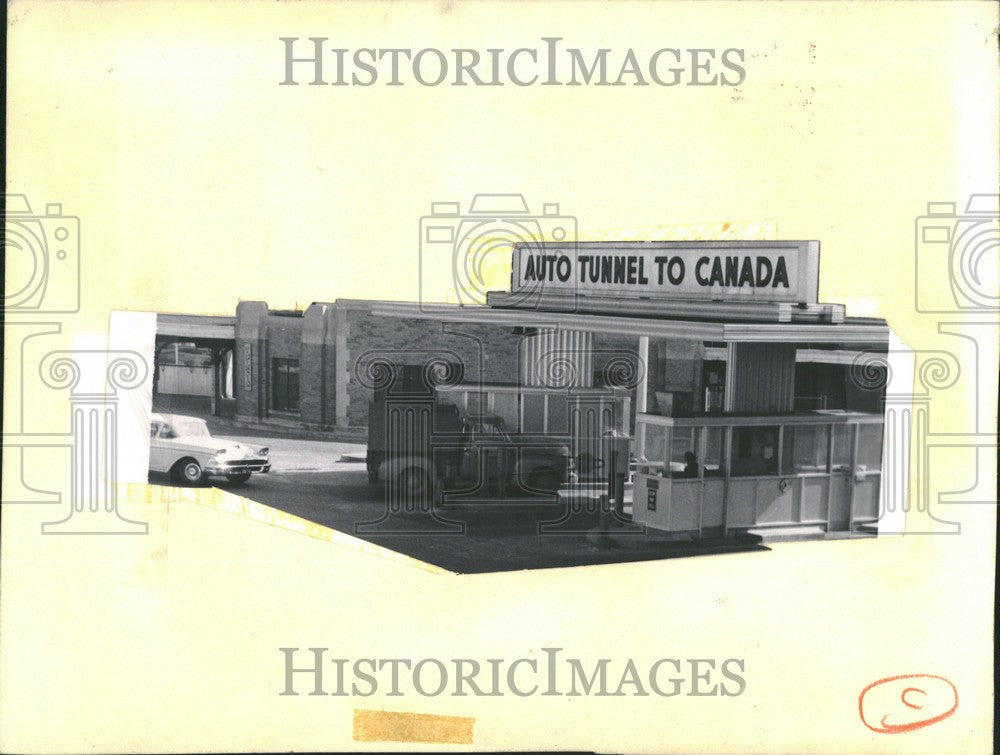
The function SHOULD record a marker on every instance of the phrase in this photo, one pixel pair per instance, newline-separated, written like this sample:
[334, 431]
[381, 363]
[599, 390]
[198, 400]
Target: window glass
[870, 447]
[154, 429]
[653, 448]
[476, 405]
[494, 429]
[558, 413]
[714, 463]
[755, 451]
[533, 406]
[505, 407]
[684, 453]
[285, 385]
[843, 441]
[806, 448]
[190, 427]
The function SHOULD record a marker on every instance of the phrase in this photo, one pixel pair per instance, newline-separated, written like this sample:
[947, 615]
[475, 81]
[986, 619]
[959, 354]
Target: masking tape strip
[391, 726]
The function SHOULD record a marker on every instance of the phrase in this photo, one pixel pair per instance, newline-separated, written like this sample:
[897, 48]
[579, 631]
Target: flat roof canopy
[719, 310]
[196, 326]
[853, 331]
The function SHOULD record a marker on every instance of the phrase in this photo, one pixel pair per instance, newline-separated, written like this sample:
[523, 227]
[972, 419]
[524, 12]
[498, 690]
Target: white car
[183, 448]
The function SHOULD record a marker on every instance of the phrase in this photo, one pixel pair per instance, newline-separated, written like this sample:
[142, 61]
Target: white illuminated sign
[771, 271]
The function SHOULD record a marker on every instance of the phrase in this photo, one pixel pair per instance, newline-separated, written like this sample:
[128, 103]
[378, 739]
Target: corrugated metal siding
[558, 359]
[760, 377]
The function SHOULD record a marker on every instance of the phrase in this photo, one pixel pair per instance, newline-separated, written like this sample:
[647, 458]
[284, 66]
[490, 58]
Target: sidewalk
[227, 425]
[291, 455]
[224, 425]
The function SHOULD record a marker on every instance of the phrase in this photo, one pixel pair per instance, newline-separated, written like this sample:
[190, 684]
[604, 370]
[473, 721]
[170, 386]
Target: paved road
[469, 538]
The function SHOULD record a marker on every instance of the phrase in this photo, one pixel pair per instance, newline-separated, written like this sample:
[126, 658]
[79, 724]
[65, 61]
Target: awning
[855, 332]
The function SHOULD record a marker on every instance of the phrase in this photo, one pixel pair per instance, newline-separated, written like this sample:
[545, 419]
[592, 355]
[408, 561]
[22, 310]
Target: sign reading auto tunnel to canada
[771, 271]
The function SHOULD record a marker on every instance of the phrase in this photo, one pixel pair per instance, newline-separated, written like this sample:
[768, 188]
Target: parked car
[183, 448]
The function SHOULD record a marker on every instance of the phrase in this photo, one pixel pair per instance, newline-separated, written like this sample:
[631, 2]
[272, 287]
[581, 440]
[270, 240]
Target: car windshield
[190, 427]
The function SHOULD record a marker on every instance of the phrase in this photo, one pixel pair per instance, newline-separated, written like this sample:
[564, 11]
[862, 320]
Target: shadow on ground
[472, 538]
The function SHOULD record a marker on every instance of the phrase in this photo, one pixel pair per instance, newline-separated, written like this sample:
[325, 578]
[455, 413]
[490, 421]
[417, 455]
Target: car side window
[496, 431]
[166, 431]
[154, 429]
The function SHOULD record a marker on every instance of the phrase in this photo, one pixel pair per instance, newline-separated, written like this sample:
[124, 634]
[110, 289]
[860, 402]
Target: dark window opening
[713, 383]
[285, 385]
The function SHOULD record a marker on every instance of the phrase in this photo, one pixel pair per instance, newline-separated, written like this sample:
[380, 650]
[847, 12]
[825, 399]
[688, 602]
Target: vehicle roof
[162, 417]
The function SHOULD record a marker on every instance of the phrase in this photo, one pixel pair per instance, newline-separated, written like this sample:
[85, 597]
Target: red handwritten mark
[934, 696]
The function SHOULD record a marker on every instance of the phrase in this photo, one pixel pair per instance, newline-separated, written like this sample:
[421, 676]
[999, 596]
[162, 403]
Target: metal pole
[640, 388]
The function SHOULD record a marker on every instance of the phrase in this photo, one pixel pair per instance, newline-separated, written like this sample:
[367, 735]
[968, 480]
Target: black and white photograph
[519, 431]
[558, 376]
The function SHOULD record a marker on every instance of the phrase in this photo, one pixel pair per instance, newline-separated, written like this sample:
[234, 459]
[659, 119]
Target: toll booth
[771, 446]
[718, 475]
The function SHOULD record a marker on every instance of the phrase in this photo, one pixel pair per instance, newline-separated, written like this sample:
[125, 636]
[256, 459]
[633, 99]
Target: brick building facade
[318, 369]
[332, 349]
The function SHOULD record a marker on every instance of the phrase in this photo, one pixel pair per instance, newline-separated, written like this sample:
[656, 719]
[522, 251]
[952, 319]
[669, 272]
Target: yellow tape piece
[391, 726]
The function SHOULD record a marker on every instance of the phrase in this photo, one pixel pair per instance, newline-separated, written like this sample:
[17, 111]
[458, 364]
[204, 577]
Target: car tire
[238, 478]
[414, 484]
[189, 471]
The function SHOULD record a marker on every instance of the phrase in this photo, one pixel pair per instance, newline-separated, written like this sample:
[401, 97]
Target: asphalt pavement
[326, 483]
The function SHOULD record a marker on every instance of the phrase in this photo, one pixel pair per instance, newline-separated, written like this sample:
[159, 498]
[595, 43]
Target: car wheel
[414, 483]
[238, 477]
[189, 471]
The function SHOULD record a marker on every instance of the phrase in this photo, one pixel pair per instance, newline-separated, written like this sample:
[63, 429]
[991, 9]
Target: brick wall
[486, 352]
[329, 339]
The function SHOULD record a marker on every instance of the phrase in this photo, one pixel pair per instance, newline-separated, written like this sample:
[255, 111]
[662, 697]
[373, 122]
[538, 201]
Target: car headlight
[220, 452]
[263, 451]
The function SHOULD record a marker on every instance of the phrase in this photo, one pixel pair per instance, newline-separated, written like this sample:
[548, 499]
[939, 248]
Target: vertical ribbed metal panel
[760, 377]
[557, 359]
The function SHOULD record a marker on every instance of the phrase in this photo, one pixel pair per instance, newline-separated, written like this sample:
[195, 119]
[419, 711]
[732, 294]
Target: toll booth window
[533, 411]
[714, 463]
[505, 407]
[653, 449]
[806, 449]
[714, 385]
[558, 414]
[285, 385]
[475, 404]
[684, 462]
[870, 447]
[755, 452]
[843, 447]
